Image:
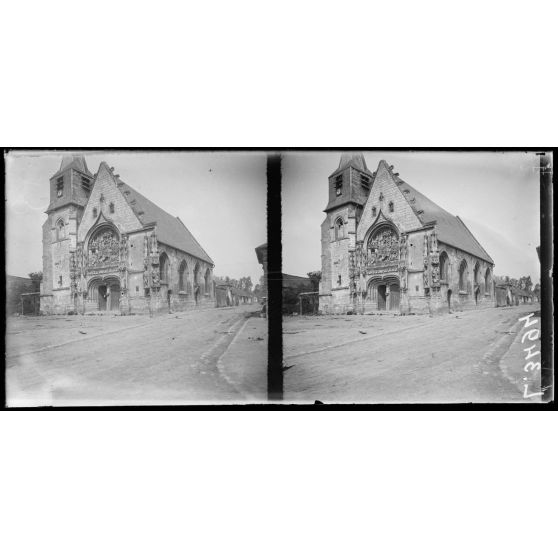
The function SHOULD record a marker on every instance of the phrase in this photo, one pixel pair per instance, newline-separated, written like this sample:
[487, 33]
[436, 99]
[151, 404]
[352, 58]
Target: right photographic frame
[417, 276]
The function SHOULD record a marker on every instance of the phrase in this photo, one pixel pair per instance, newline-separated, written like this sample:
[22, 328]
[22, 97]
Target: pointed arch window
[59, 186]
[95, 212]
[60, 230]
[339, 229]
[111, 207]
[391, 207]
[476, 274]
[374, 211]
[182, 276]
[444, 267]
[463, 276]
[164, 268]
[197, 281]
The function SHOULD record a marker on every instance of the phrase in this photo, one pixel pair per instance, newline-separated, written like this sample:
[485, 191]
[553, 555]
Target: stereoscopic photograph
[412, 277]
[135, 278]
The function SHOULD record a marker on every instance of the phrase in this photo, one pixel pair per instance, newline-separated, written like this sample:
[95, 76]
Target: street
[474, 356]
[218, 355]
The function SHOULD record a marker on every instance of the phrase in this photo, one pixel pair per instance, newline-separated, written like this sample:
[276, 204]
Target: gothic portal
[107, 248]
[388, 248]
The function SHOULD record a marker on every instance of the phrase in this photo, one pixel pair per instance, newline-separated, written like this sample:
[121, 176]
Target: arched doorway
[384, 294]
[105, 294]
[382, 297]
[102, 295]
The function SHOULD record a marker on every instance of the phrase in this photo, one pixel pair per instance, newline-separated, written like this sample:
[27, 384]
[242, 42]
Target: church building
[107, 248]
[387, 247]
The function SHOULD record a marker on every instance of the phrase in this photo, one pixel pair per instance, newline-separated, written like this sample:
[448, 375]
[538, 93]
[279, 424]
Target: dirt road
[106, 360]
[406, 359]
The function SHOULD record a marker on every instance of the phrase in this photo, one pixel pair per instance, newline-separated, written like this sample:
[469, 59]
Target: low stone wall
[421, 304]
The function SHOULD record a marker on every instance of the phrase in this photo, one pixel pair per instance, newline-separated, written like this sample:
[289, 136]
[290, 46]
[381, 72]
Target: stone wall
[123, 217]
[188, 298]
[57, 248]
[403, 215]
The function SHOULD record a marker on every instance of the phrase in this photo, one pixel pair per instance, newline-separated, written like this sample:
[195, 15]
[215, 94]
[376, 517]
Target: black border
[275, 355]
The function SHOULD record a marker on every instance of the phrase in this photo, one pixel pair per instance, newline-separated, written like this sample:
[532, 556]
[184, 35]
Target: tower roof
[76, 162]
[355, 160]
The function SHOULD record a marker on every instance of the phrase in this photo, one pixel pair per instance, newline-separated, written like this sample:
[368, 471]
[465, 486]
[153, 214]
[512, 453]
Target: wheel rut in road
[208, 362]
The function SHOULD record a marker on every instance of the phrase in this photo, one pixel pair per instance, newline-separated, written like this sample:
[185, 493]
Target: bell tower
[348, 189]
[70, 187]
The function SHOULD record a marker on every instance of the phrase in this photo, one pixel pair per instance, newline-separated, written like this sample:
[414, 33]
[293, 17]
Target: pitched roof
[170, 230]
[451, 229]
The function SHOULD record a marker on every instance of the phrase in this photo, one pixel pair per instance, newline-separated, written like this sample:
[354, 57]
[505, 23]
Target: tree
[248, 284]
[526, 283]
[315, 277]
[37, 278]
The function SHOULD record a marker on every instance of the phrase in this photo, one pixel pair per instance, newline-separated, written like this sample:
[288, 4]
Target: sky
[219, 196]
[497, 195]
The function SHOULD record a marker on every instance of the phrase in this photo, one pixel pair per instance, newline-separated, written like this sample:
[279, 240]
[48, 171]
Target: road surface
[127, 360]
[473, 356]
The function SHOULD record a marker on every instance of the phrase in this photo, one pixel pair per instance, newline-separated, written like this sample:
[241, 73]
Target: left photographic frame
[135, 277]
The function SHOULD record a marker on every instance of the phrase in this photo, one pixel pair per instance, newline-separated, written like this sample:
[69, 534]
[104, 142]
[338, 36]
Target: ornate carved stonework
[153, 243]
[425, 275]
[403, 261]
[352, 273]
[434, 260]
[123, 251]
[146, 274]
[74, 274]
[103, 249]
[155, 279]
[435, 276]
[383, 247]
[123, 264]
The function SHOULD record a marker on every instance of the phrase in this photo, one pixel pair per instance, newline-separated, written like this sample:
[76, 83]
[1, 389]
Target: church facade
[107, 248]
[387, 247]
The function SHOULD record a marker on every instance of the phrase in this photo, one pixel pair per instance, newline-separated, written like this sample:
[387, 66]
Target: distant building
[223, 294]
[387, 247]
[293, 286]
[22, 295]
[504, 294]
[227, 294]
[106, 247]
[508, 294]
